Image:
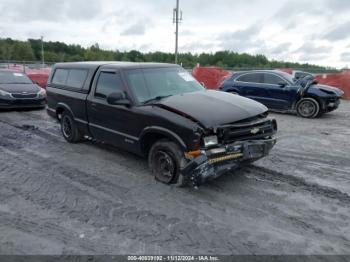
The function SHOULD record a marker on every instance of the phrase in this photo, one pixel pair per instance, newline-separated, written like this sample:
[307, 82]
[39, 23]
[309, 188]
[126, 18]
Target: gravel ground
[58, 198]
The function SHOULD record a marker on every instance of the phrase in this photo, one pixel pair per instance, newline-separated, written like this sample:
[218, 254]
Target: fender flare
[65, 107]
[163, 131]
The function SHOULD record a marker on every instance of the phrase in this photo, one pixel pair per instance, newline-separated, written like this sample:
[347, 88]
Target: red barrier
[286, 70]
[41, 76]
[212, 77]
[340, 80]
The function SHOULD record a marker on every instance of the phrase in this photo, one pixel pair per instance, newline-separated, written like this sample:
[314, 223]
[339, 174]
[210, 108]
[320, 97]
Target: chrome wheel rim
[165, 166]
[307, 108]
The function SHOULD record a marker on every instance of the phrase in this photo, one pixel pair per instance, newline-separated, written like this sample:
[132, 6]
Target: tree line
[30, 50]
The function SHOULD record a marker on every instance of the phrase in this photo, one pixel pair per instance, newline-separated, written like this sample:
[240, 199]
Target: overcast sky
[314, 31]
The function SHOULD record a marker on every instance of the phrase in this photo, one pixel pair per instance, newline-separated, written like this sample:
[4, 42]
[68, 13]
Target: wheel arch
[308, 95]
[60, 108]
[315, 100]
[152, 134]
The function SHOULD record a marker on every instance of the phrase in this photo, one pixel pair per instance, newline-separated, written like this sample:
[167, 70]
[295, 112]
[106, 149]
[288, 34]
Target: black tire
[165, 160]
[308, 108]
[69, 128]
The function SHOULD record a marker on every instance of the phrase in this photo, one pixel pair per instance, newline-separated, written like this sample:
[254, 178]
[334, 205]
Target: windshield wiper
[157, 98]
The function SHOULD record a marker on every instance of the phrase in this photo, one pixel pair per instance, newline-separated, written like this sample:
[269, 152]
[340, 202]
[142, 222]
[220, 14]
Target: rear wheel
[165, 161]
[308, 108]
[69, 128]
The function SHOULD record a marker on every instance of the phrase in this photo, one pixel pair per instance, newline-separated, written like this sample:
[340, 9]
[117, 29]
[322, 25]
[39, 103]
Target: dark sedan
[279, 91]
[18, 91]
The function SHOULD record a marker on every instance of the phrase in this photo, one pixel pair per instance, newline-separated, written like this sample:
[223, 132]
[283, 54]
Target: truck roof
[116, 64]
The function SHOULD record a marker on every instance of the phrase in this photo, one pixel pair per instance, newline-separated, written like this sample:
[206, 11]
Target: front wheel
[165, 161]
[308, 108]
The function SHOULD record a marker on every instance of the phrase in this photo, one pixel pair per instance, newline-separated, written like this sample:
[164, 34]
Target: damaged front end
[237, 144]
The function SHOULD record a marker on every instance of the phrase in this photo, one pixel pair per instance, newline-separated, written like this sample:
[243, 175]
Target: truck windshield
[156, 83]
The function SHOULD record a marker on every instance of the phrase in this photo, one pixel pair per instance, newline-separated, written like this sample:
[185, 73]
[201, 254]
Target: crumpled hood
[19, 88]
[338, 92]
[213, 108]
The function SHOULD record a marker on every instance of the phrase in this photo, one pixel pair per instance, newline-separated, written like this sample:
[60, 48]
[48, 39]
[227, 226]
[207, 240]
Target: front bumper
[209, 165]
[331, 104]
[22, 103]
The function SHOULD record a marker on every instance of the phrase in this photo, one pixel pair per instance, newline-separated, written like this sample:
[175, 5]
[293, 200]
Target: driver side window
[108, 83]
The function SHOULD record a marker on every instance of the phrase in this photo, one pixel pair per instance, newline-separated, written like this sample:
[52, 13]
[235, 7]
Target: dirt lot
[58, 198]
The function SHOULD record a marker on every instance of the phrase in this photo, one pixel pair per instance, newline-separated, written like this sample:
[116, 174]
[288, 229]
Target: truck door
[107, 122]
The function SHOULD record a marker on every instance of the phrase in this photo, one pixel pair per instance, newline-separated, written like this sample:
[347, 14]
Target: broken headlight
[210, 141]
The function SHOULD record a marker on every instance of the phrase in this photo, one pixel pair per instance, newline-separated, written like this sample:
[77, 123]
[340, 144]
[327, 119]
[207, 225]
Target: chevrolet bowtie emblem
[254, 131]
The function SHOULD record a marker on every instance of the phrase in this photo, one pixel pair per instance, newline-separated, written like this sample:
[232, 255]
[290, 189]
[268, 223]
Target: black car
[279, 91]
[18, 91]
[161, 112]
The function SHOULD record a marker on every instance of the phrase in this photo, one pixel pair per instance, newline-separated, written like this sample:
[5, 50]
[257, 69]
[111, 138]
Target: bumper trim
[206, 167]
[225, 158]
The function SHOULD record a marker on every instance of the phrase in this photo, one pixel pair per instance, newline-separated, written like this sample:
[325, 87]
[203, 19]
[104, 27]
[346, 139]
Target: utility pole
[42, 51]
[177, 18]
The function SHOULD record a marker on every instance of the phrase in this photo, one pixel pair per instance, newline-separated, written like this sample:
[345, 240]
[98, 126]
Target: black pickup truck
[159, 111]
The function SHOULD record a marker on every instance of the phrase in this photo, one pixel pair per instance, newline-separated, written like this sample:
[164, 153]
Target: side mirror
[282, 84]
[118, 98]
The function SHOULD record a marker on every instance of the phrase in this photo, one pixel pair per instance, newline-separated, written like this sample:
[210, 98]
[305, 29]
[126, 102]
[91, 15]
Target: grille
[247, 131]
[24, 96]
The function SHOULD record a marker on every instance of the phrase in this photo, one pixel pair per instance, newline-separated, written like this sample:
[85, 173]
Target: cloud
[281, 48]
[341, 32]
[311, 52]
[186, 32]
[345, 57]
[42, 10]
[312, 48]
[245, 34]
[293, 12]
[307, 57]
[196, 46]
[241, 40]
[135, 29]
[338, 5]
